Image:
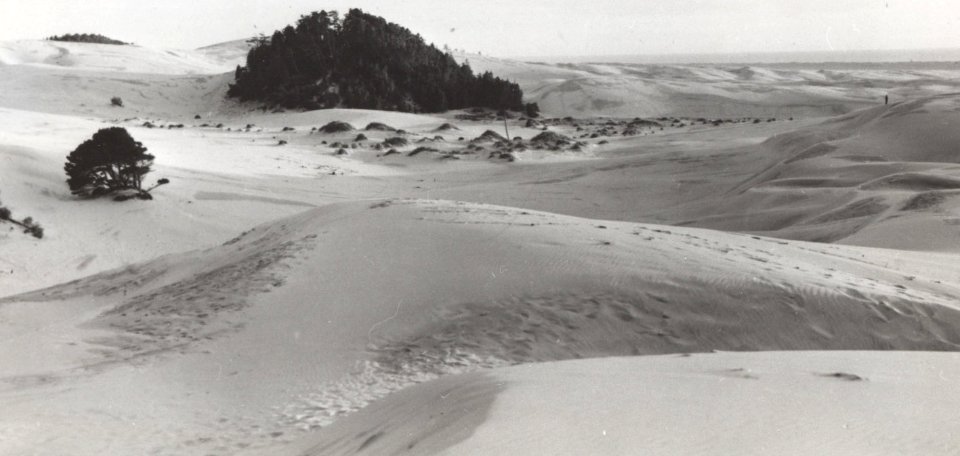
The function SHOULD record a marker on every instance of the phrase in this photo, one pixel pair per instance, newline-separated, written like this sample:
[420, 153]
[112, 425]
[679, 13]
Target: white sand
[150, 327]
[283, 331]
[797, 90]
[829, 403]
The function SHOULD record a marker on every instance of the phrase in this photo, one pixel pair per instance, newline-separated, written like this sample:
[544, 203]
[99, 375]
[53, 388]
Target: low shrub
[28, 224]
[377, 126]
[336, 127]
[420, 150]
[396, 141]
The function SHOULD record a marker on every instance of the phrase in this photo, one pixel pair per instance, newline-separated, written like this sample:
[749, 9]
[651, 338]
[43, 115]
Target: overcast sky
[511, 28]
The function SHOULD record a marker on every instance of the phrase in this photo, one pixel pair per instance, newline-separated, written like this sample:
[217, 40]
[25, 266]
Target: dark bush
[29, 226]
[446, 126]
[396, 141]
[109, 162]
[86, 38]
[336, 127]
[116, 101]
[531, 110]
[420, 150]
[377, 126]
[489, 135]
[550, 137]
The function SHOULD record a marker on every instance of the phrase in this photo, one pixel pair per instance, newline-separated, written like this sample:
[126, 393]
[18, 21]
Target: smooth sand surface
[727, 403]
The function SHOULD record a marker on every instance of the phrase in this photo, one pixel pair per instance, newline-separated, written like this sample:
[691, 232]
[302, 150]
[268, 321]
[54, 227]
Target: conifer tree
[108, 162]
[363, 61]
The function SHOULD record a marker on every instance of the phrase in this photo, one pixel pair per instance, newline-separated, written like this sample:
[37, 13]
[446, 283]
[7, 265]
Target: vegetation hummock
[363, 61]
[86, 38]
[28, 225]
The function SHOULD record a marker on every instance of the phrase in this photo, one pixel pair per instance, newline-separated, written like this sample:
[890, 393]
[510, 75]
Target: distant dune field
[725, 90]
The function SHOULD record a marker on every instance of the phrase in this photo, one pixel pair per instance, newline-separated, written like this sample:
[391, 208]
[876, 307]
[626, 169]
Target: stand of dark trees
[363, 61]
[86, 38]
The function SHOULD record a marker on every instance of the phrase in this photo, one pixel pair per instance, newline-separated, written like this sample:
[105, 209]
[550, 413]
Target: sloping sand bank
[789, 403]
[250, 344]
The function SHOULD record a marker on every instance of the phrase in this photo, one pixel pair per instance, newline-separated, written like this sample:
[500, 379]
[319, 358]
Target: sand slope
[214, 59]
[718, 90]
[81, 78]
[864, 178]
[796, 403]
[305, 319]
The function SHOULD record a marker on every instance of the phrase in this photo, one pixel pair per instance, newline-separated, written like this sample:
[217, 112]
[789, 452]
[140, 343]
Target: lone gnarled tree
[109, 162]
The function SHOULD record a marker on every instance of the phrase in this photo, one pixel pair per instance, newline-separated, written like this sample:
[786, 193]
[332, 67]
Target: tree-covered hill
[363, 61]
[86, 38]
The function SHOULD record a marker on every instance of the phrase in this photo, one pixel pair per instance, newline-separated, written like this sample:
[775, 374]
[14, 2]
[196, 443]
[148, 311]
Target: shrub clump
[377, 126]
[336, 127]
[396, 141]
[549, 140]
[446, 126]
[420, 150]
[116, 101]
[29, 226]
[109, 162]
[550, 137]
[85, 38]
[489, 136]
[531, 110]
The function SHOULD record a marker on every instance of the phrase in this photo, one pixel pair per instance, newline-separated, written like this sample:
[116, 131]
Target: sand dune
[243, 317]
[863, 171]
[282, 297]
[81, 78]
[702, 404]
[121, 59]
[722, 90]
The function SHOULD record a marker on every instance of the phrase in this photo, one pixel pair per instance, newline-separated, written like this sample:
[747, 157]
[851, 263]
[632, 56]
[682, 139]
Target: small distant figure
[886, 99]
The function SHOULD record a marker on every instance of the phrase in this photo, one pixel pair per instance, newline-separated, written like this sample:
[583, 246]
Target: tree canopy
[85, 38]
[363, 61]
[108, 162]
